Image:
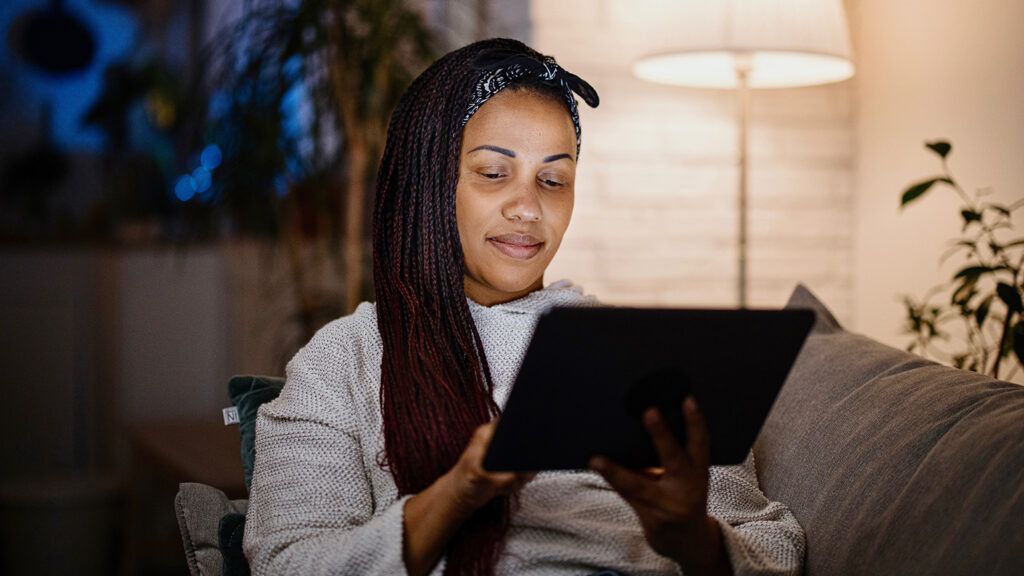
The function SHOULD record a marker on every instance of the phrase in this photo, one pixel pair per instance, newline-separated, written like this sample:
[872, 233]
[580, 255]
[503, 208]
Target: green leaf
[970, 216]
[1007, 345]
[917, 190]
[940, 147]
[982, 312]
[973, 272]
[964, 292]
[1010, 296]
[961, 245]
[999, 208]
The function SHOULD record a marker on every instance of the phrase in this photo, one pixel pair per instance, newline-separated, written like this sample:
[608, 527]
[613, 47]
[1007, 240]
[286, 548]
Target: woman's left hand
[671, 502]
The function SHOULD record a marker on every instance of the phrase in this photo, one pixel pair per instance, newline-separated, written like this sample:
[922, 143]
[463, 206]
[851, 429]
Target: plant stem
[957, 188]
[1006, 332]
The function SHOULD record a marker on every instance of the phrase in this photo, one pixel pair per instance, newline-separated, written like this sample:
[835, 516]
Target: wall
[173, 331]
[655, 220]
[929, 69]
[95, 338]
[47, 350]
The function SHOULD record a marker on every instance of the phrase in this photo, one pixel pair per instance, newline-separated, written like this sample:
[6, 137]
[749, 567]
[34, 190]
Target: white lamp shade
[782, 43]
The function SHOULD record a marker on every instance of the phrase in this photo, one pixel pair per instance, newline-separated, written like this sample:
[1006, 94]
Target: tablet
[589, 373]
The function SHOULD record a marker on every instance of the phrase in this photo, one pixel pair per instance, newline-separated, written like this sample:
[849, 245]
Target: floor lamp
[748, 44]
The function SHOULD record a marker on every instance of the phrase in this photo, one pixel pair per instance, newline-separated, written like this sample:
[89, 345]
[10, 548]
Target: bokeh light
[184, 189]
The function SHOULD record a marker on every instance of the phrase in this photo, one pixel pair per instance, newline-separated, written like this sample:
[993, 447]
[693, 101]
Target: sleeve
[311, 506]
[760, 536]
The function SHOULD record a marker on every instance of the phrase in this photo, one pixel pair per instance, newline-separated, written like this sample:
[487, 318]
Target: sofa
[892, 463]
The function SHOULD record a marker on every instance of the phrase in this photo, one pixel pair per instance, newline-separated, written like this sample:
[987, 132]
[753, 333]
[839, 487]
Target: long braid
[436, 385]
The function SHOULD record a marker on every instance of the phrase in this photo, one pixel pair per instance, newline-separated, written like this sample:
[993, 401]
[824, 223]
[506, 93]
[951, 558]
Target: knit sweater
[321, 504]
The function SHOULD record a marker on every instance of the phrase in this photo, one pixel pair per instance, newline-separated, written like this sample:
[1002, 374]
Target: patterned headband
[504, 66]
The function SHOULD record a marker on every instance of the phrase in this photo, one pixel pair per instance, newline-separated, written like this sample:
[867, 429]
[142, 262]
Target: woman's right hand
[432, 517]
[471, 485]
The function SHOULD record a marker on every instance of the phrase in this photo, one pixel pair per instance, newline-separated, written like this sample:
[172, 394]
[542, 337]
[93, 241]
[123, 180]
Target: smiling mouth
[516, 251]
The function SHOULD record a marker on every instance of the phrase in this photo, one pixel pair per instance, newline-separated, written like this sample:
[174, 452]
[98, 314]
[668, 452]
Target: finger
[484, 432]
[671, 454]
[516, 482]
[522, 480]
[480, 440]
[527, 476]
[698, 445]
[477, 449]
[628, 484]
[654, 472]
[502, 476]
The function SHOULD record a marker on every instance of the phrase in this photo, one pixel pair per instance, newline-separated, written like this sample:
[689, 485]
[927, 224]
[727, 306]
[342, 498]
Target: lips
[517, 246]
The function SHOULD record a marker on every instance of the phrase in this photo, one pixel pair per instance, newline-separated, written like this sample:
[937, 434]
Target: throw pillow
[199, 509]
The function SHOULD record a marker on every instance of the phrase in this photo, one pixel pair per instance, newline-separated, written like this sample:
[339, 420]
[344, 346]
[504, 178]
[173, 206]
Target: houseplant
[984, 295]
[302, 93]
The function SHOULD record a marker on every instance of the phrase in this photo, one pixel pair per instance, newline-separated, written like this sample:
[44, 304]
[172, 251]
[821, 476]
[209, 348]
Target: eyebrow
[512, 154]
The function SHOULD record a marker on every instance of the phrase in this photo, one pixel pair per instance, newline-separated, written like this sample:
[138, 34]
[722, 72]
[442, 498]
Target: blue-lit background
[154, 131]
[115, 30]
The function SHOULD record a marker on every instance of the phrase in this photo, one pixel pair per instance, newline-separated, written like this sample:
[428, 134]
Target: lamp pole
[743, 64]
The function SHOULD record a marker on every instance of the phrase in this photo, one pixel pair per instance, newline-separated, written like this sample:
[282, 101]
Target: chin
[512, 281]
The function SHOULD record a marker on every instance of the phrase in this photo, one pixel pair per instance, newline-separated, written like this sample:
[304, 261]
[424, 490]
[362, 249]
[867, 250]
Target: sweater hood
[560, 293]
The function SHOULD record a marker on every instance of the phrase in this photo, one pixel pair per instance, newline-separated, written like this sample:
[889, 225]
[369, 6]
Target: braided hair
[436, 386]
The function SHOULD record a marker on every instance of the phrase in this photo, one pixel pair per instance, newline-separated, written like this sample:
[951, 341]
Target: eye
[491, 174]
[551, 183]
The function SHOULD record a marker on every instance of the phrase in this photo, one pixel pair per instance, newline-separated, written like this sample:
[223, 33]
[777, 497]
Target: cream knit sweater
[321, 505]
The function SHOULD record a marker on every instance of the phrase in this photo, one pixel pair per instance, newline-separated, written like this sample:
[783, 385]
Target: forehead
[524, 117]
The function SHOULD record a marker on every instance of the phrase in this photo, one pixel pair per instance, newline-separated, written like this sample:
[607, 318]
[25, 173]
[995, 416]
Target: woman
[370, 460]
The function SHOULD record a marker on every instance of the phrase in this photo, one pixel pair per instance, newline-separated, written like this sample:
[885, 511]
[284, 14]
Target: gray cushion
[895, 464]
[199, 509]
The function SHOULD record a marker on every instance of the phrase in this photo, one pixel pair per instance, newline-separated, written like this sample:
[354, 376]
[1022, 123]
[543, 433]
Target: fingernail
[597, 463]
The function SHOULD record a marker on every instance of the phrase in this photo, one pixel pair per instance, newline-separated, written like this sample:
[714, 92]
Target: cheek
[471, 216]
[560, 213]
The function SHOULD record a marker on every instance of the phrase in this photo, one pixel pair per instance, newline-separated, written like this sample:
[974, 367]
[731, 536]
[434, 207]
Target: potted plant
[985, 295]
[301, 96]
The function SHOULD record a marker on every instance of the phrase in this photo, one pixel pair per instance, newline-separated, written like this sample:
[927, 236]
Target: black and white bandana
[504, 66]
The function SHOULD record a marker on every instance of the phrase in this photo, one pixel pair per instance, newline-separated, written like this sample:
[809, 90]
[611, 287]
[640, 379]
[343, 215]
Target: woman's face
[515, 193]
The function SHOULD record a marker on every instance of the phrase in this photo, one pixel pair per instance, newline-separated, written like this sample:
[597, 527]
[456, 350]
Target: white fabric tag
[230, 416]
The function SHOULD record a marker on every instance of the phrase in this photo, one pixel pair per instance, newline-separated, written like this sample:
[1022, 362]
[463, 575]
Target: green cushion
[248, 393]
[230, 532]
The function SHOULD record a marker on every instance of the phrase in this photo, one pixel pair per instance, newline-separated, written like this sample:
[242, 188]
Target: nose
[523, 206]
